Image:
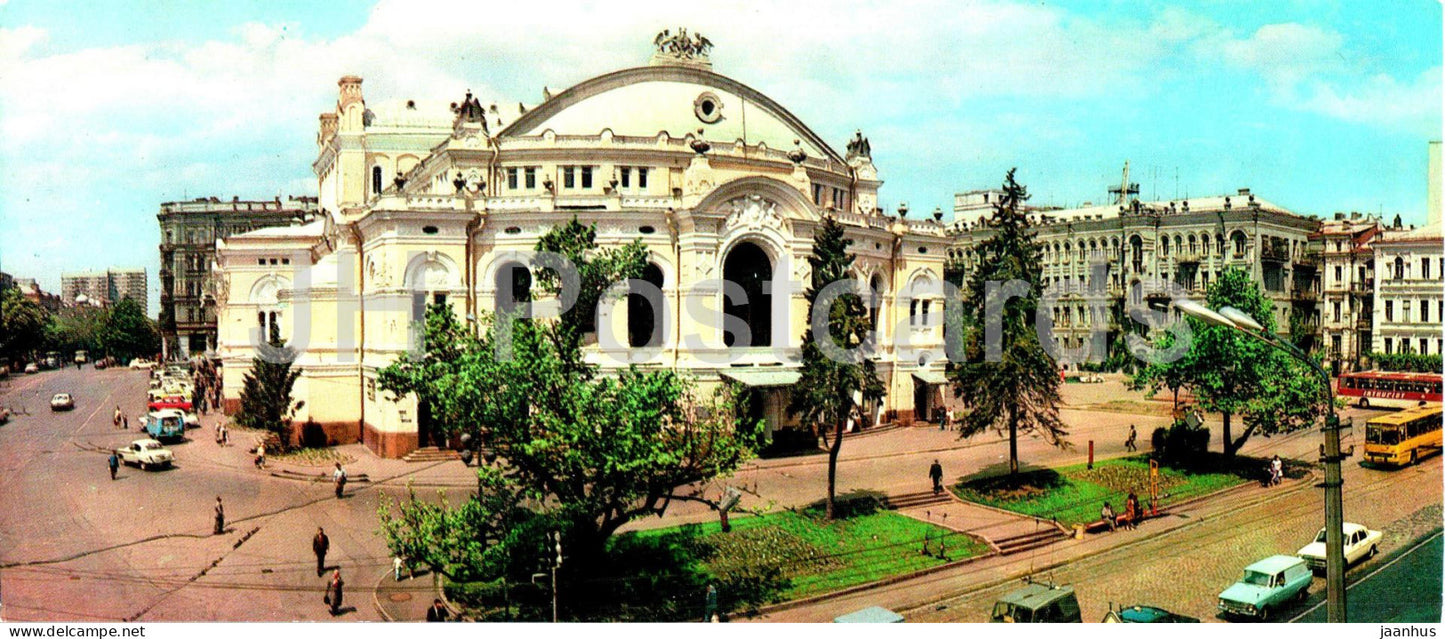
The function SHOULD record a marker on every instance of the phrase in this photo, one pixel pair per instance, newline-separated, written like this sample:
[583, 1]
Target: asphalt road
[75, 545]
[1405, 588]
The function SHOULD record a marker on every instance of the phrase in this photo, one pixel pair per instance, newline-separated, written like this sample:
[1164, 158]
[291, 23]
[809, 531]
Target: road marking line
[1374, 572]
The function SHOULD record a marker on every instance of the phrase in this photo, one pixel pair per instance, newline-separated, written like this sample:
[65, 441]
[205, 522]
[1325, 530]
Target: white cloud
[1286, 53]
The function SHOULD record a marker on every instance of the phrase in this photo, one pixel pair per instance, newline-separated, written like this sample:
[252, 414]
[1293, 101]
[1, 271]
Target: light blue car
[1267, 585]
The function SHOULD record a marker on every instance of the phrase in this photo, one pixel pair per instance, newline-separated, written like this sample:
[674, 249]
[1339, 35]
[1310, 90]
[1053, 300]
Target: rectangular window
[586, 177]
[1337, 311]
[1389, 311]
[625, 176]
[1424, 311]
[818, 194]
[913, 313]
[568, 177]
[1336, 344]
[838, 198]
[530, 175]
[512, 179]
[1389, 346]
[925, 312]
[1424, 346]
[642, 177]
[1339, 274]
[1425, 268]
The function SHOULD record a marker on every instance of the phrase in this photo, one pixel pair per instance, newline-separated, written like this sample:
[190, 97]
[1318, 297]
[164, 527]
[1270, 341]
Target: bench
[1098, 525]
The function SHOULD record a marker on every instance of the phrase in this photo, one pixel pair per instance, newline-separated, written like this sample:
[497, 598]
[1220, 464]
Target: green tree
[129, 333]
[597, 269]
[584, 453]
[266, 402]
[1233, 374]
[834, 379]
[1018, 391]
[22, 325]
[79, 328]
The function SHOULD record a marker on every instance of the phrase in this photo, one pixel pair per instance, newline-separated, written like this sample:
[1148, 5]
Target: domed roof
[674, 99]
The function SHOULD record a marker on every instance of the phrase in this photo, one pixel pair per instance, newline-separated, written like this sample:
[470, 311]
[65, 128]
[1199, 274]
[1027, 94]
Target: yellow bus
[1404, 437]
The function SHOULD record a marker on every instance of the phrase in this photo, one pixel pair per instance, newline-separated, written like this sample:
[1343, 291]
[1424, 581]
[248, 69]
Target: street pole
[1334, 483]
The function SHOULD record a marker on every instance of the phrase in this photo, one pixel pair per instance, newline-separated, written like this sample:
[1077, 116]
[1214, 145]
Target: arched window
[1136, 249]
[641, 315]
[376, 180]
[749, 267]
[1164, 246]
[875, 306]
[1399, 268]
[1240, 242]
[514, 289]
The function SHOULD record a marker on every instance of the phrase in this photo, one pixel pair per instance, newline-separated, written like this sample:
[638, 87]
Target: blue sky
[110, 109]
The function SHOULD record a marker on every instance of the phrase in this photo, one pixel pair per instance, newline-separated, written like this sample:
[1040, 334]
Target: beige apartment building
[424, 201]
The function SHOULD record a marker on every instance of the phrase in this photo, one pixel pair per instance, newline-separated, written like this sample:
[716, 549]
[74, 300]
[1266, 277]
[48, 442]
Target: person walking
[340, 478]
[334, 592]
[225, 435]
[1130, 444]
[935, 473]
[260, 460]
[114, 463]
[319, 545]
[437, 612]
[709, 610]
[220, 516]
[1276, 471]
[115, 419]
[125, 422]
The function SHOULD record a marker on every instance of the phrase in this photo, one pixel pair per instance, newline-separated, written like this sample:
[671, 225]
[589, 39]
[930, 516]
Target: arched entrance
[641, 316]
[748, 266]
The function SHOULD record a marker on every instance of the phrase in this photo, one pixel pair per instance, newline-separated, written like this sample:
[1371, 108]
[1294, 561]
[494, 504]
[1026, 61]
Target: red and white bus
[1389, 390]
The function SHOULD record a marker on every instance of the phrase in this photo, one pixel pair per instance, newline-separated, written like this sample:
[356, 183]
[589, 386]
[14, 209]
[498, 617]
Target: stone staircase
[916, 500]
[431, 454]
[1029, 541]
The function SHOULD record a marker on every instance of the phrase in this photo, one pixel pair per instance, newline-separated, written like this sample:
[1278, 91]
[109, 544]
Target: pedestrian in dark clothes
[125, 422]
[710, 605]
[319, 545]
[220, 516]
[333, 592]
[935, 473]
[1129, 444]
[114, 463]
[437, 612]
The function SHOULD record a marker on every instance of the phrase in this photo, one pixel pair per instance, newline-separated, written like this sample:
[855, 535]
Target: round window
[646, 230]
[429, 230]
[708, 107]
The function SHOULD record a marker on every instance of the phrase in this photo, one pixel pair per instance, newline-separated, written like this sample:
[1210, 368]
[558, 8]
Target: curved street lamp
[1233, 318]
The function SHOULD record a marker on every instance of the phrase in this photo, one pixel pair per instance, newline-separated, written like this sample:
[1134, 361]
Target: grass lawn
[662, 575]
[1075, 494]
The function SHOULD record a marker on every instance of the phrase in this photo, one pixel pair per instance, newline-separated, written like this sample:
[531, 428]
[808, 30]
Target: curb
[376, 599]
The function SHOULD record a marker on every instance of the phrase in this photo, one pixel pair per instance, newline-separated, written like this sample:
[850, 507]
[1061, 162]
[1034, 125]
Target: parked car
[140, 363]
[1267, 585]
[82, 357]
[1360, 542]
[146, 453]
[62, 401]
[32, 368]
[1038, 603]
[1145, 614]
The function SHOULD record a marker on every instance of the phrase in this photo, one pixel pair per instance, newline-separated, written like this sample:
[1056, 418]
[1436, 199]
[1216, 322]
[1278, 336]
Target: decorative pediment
[753, 212]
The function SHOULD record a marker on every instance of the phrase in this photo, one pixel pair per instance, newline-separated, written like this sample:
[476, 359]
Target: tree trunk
[1013, 442]
[833, 449]
[1228, 441]
[1176, 399]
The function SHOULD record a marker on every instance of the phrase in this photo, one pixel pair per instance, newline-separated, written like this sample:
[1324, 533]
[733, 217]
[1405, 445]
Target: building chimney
[1244, 191]
[1339, 216]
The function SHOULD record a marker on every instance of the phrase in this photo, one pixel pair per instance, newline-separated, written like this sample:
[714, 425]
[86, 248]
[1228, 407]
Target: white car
[146, 453]
[62, 401]
[32, 368]
[1360, 542]
[142, 364]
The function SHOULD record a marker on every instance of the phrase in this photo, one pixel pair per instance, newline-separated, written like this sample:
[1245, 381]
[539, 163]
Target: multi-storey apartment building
[1409, 300]
[189, 231]
[1347, 281]
[1122, 255]
[107, 287]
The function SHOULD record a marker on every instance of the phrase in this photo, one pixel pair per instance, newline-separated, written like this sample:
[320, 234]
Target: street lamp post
[1238, 320]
